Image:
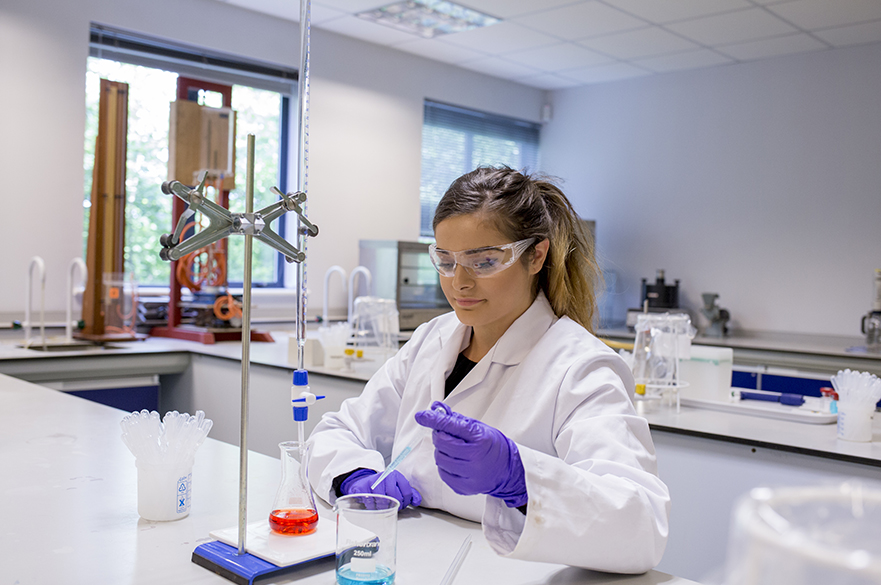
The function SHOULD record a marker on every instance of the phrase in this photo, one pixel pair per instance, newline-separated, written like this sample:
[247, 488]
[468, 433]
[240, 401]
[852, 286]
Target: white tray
[765, 409]
[283, 550]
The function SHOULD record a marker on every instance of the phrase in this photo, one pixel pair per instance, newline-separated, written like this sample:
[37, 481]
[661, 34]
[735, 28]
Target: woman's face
[489, 304]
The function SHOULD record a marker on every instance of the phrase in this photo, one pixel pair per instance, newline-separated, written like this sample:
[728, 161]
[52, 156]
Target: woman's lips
[465, 303]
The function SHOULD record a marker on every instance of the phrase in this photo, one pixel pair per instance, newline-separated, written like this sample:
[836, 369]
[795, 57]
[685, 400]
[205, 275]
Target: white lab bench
[708, 459]
[69, 510]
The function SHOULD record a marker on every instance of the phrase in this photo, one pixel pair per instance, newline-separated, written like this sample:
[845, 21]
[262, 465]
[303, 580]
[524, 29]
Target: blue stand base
[226, 561]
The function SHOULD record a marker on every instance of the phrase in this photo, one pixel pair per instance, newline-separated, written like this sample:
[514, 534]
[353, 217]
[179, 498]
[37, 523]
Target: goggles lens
[479, 262]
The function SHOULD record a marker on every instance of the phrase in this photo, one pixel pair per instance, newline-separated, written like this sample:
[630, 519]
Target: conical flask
[293, 510]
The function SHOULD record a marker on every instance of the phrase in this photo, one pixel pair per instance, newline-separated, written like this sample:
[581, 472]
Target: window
[456, 140]
[261, 96]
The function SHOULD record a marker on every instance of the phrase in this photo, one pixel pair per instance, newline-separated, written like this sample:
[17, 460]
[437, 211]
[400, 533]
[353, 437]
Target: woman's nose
[462, 279]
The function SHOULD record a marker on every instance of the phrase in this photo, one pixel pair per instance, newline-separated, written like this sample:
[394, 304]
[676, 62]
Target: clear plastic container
[662, 341]
[808, 535]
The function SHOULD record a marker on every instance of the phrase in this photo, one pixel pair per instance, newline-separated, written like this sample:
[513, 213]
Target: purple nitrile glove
[395, 485]
[473, 457]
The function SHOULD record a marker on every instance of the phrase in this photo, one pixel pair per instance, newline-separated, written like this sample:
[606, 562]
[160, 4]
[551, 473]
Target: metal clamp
[222, 223]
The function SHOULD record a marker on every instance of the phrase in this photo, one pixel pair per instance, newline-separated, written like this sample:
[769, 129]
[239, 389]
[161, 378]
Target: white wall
[366, 143]
[758, 181]
[366, 121]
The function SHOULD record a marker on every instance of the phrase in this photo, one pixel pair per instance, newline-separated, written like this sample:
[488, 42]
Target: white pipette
[393, 465]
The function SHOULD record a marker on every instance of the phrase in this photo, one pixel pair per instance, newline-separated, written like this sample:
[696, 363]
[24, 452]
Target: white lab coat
[595, 500]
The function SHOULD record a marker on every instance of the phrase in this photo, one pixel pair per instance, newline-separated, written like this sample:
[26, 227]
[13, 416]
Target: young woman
[518, 416]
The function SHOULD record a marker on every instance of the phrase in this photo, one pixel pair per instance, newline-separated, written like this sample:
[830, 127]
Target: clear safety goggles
[479, 262]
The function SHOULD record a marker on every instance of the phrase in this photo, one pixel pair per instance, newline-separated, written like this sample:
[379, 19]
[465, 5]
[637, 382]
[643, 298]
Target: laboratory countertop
[819, 440]
[821, 348]
[70, 510]
[812, 439]
[804, 343]
[272, 354]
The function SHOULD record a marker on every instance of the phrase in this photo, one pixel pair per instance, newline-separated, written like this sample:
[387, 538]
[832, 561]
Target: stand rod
[246, 355]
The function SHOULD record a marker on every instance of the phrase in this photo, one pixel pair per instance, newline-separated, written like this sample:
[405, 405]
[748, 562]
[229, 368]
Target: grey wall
[759, 181]
[366, 128]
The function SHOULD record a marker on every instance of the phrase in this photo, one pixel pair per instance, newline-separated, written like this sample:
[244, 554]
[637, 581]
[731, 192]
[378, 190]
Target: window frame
[473, 123]
[136, 49]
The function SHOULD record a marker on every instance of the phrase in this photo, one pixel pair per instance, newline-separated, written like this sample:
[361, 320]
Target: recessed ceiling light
[429, 18]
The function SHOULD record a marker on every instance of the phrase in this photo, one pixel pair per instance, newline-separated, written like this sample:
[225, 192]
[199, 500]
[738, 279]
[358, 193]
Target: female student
[519, 417]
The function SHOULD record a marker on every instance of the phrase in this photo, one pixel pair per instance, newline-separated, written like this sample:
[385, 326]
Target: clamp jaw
[222, 223]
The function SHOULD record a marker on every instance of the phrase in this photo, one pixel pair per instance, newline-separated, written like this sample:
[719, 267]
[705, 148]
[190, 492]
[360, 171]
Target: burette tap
[301, 400]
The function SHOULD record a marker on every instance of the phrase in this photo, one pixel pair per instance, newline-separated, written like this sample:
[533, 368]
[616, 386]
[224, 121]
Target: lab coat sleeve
[362, 432]
[598, 504]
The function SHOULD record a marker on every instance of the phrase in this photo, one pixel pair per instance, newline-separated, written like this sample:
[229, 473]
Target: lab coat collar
[509, 350]
[514, 344]
[521, 336]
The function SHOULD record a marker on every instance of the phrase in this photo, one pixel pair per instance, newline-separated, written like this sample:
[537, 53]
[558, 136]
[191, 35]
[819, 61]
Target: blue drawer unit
[129, 394]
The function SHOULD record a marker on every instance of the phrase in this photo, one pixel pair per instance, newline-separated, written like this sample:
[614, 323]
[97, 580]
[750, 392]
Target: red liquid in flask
[294, 521]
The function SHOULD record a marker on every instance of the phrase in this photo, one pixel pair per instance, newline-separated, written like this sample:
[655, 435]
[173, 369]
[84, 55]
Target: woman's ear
[539, 256]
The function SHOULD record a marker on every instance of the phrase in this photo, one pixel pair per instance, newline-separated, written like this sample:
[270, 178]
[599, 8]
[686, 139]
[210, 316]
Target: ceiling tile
[673, 10]
[581, 20]
[612, 72]
[440, 51]
[732, 27]
[639, 43]
[365, 30]
[814, 14]
[548, 81]
[556, 43]
[558, 57]
[857, 34]
[798, 43]
[686, 60]
[512, 8]
[277, 8]
[500, 68]
[321, 13]
[350, 6]
[504, 37]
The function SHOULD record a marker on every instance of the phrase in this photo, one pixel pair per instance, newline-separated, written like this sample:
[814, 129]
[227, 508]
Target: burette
[303, 169]
[301, 397]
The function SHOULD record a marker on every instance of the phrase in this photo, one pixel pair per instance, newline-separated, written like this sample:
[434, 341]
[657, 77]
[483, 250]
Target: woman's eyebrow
[483, 249]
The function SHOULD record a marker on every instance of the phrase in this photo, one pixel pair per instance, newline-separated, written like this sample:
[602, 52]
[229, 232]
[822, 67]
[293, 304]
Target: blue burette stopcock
[301, 398]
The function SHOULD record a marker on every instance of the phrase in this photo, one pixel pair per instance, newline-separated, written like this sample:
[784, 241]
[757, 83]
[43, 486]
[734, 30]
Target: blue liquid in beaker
[381, 576]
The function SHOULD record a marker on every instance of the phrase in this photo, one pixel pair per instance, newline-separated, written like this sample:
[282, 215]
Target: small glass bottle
[293, 510]
[829, 400]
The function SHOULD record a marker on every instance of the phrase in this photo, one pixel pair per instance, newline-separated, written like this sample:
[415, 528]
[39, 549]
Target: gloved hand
[394, 485]
[473, 457]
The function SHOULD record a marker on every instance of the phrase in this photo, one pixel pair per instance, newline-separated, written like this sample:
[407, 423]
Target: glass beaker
[366, 539]
[120, 302]
[811, 535]
[293, 510]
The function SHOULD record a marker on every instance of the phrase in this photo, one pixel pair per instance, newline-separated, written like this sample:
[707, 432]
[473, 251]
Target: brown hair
[523, 206]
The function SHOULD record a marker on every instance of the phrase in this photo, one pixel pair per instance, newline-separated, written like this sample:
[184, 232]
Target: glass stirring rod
[457, 561]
